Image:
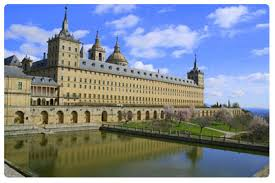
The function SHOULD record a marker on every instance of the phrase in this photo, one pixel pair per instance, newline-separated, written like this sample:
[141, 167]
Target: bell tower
[97, 52]
[63, 48]
[196, 75]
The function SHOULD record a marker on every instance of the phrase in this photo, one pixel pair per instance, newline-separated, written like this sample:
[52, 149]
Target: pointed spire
[65, 25]
[117, 48]
[195, 63]
[82, 51]
[97, 41]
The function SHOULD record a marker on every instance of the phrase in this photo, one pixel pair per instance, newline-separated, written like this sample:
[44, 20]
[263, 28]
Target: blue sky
[231, 41]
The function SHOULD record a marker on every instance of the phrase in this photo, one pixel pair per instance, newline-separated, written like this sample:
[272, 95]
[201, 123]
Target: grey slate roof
[12, 60]
[38, 80]
[104, 67]
[39, 64]
[14, 71]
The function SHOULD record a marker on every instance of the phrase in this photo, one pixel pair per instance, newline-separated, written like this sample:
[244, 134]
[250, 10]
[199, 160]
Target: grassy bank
[166, 126]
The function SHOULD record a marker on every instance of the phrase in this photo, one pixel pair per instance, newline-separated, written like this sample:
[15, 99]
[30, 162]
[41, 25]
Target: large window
[19, 86]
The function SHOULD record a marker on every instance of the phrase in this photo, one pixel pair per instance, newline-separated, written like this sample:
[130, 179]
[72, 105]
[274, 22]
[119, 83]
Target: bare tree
[259, 128]
[243, 120]
[184, 114]
[224, 116]
[203, 122]
[169, 112]
[194, 111]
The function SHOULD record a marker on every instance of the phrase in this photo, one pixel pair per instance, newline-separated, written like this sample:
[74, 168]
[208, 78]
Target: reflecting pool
[100, 154]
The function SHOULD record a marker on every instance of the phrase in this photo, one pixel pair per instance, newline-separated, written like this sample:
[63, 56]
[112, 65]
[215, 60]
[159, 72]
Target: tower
[63, 48]
[97, 52]
[117, 57]
[196, 75]
[26, 64]
[82, 51]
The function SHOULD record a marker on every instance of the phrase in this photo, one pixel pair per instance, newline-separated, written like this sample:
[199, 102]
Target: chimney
[44, 55]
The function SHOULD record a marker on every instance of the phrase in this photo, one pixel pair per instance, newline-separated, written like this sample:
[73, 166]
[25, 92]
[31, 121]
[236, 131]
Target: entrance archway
[155, 115]
[119, 116]
[138, 115]
[74, 117]
[60, 116]
[161, 114]
[51, 102]
[19, 117]
[44, 117]
[43, 101]
[104, 116]
[129, 115]
[87, 117]
[38, 101]
[147, 115]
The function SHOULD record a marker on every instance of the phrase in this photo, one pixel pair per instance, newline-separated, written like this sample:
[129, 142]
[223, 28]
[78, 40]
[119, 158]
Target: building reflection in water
[87, 153]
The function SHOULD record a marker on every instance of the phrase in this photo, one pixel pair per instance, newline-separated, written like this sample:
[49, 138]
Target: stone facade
[93, 90]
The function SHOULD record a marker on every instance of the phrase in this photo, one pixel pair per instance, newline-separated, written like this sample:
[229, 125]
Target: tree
[203, 122]
[184, 114]
[169, 112]
[224, 115]
[124, 116]
[235, 105]
[194, 111]
[243, 120]
[259, 128]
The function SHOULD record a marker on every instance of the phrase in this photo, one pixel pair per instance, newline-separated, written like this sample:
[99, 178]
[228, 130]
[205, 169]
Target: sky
[231, 41]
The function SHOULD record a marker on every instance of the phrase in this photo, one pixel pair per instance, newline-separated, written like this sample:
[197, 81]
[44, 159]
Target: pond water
[100, 154]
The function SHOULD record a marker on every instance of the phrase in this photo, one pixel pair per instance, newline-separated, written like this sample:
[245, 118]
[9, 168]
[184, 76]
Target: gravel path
[10, 172]
[264, 172]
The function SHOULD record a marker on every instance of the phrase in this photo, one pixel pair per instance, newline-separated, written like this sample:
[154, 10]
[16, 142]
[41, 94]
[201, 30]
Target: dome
[117, 57]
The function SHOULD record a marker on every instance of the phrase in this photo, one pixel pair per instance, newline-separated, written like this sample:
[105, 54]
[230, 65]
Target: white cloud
[214, 93]
[166, 10]
[262, 26]
[108, 50]
[119, 33]
[247, 88]
[154, 44]
[203, 68]
[32, 49]
[260, 52]
[80, 33]
[149, 67]
[110, 8]
[230, 33]
[33, 39]
[19, 55]
[258, 76]
[179, 53]
[124, 22]
[238, 93]
[29, 33]
[228, 17]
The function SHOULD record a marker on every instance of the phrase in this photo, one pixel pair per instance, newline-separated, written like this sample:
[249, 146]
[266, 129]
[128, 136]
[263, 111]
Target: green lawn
[224, 127]
[195, 129]
[174, 126]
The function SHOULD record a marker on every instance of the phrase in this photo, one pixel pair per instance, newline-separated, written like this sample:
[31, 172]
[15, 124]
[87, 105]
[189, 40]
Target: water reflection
[106, 154]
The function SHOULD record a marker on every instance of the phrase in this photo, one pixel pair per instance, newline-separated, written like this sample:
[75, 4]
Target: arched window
[74, 117]
[138, 115]
[44, 117]
[100, 56]
[129, 115]
[19, 117]
[147, 115]
[104, 116]
[87, 117]
[60, 116]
